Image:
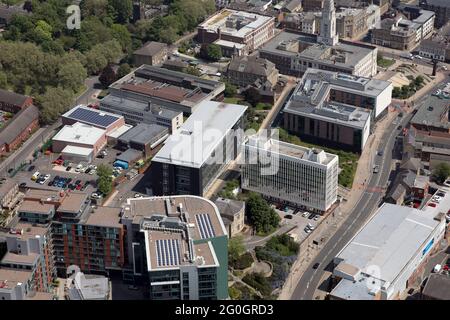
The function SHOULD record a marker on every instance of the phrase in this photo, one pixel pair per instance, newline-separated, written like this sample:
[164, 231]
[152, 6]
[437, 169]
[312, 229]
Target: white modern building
[296, 175]
[389, 252]
[79, 135]
[193, 157]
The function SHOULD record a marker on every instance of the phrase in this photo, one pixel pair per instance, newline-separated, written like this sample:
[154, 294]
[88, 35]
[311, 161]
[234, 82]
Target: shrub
[242, 262]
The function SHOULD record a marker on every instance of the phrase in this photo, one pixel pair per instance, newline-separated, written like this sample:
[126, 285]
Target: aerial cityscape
[224, 150]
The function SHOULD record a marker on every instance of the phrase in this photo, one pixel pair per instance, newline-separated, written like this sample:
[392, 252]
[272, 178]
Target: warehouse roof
[79, 133]
[144, 134]
[94, 117]
[77, 150]
[389, 240]
[194, 143]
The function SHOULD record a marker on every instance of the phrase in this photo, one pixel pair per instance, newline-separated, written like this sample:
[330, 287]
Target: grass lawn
[385, 63]
[233, 100]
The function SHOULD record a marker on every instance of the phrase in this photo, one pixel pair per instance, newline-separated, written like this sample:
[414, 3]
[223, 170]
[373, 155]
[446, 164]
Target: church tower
[328, 34]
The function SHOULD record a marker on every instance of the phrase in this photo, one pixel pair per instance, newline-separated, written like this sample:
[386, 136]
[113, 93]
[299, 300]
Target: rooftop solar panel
[205, 226]
[93, 117]
[167, 252]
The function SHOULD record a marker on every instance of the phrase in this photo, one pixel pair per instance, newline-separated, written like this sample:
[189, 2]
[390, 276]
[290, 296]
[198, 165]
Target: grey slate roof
[431, 113]
[12, 97]
[151, 48]
[437, 287]
[18, 124]
[252, 65]
[228, 208]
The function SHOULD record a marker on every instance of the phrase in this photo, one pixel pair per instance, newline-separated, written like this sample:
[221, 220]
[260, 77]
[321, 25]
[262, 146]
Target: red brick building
[13, 102]
[18, 129]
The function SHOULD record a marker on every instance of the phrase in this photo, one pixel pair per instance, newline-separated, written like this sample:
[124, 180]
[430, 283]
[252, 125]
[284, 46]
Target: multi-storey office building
[178, 246]
[441, 8]
[193, 157]
[296, 175]
[294, 53]
[236, 32]
[336, 109]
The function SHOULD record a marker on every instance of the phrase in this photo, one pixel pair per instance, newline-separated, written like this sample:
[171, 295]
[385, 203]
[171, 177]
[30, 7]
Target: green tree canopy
[212, 52]
[260, 214]
[441, 172]
[235, 247]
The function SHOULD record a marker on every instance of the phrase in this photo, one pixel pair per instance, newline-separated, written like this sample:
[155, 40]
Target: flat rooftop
[389, 240]
[291, 150]
[172, 226]
[73, 202]
[77, 150]
[127, 103]
[21, 259]
[105, 217]
[167, 85]
[28, 231]
[235, 23]
[11, 278]
[344, 55]
[199, 136]
[36, 207]
[79, 133]
[144, 133]
[93, 117]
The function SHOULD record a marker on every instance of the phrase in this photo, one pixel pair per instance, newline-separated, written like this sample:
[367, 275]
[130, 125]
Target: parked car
[376, 169]
[305, 214]
[316, 218]
[35, 176]
[288, 216]
[68, 168]
[31, 168]
[380, 152]
[316, 265]
[307, 230]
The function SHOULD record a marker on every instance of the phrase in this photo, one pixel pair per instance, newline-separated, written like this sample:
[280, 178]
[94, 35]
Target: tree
[260, 214]
[192, 70]
[72, 75]
[3, 80]
[212, 52]
[123, 36]
[107, 76]
[53, 103]
[230, 90]
[235, 248]
[123, 70]
[104, 181]
[252, 96]
[122, 10]
[441, 172]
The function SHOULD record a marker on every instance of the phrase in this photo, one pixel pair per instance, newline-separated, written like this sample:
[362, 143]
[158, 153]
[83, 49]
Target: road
[363, 209]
